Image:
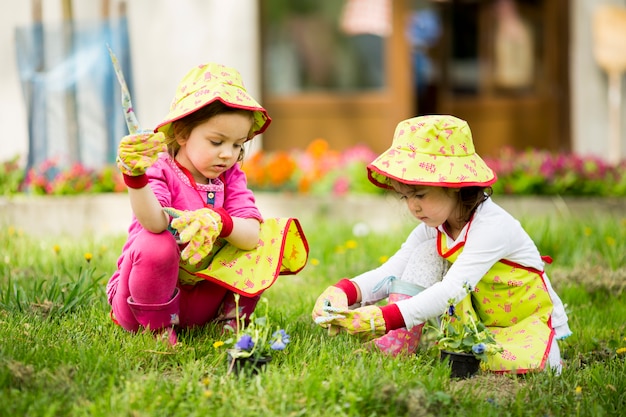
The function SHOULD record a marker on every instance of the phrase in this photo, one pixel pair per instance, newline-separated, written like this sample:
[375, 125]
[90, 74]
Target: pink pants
[149, 274]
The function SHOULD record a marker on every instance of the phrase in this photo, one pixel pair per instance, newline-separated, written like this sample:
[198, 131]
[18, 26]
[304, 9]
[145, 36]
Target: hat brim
[261, 119]
[408, 167]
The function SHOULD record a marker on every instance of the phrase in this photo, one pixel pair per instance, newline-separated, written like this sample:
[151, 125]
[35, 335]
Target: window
[318, 45]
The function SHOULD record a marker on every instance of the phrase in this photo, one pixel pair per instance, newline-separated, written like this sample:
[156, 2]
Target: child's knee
[156, 248]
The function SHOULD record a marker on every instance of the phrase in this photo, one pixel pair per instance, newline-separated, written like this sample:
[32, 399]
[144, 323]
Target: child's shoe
[159, 318]
[400, 341]
[227, 315]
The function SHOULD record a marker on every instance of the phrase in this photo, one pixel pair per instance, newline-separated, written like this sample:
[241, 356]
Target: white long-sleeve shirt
[493, 235]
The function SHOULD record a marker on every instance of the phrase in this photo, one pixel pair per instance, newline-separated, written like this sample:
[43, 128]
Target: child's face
[214, 146]
[433, 206]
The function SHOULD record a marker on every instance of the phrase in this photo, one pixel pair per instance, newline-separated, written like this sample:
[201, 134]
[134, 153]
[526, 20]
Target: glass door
[504, 68]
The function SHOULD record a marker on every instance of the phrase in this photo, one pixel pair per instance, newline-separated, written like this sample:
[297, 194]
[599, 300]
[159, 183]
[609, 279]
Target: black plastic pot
[462, 365]
[248, 366]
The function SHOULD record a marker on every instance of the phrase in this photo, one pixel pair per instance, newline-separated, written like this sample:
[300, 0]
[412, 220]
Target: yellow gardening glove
[198, 228]
[136, 153]
[337, 297]
[332, 296]
[364, 321]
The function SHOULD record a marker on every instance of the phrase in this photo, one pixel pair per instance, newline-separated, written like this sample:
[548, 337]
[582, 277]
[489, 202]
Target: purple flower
[245, 342]
[479, 348]
[280, 340]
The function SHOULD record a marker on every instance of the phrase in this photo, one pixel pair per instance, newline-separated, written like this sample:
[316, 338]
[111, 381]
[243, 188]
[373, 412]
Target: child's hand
[332, 296]
[365, 321]
[198, 228]
[136, 153]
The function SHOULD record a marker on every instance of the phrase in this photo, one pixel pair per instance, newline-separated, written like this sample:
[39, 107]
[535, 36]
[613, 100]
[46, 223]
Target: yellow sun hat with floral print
[207, 83]
[434, 150]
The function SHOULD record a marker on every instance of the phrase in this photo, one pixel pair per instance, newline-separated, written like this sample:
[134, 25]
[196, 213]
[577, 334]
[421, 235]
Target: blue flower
[479, 348]
[451, 310]
[280, 340]
[245, 342]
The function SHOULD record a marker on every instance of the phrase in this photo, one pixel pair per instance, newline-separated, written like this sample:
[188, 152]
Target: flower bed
[535, 172]
[317, 182]
[321, 170]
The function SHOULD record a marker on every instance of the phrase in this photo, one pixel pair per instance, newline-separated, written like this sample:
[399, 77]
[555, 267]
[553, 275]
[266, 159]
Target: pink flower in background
[341, 186]
[321, 170]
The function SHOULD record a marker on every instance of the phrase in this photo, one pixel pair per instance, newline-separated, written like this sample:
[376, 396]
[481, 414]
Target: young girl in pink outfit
[197, 237]
[466, 250]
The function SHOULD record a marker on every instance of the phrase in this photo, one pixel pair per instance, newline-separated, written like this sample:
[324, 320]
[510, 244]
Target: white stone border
[110, 213]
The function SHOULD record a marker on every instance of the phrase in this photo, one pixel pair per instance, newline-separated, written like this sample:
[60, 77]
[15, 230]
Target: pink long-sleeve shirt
[173, 188]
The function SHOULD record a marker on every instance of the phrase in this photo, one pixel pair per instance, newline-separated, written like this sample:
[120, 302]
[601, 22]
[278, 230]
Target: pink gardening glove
[136, 153]
[199, 229]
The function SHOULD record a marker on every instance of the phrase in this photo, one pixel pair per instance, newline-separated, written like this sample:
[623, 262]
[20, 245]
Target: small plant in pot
[464, 343]
[253, 341]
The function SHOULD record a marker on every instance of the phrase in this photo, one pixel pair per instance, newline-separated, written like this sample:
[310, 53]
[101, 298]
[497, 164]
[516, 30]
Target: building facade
[522, 76]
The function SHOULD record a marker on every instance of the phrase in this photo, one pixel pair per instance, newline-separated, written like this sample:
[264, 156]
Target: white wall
[589, 86]
[168, 37]
[12, 109]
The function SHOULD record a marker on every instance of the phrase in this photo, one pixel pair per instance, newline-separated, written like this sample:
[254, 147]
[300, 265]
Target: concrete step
[110, 214]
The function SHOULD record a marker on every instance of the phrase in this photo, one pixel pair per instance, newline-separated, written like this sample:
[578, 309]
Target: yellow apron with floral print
[514, 304]
[282, 250]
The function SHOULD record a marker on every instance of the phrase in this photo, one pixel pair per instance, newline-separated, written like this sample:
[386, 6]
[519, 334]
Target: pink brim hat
[207, 83]
[434, 151]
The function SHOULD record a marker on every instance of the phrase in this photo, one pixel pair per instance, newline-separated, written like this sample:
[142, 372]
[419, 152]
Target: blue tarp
[71, 93]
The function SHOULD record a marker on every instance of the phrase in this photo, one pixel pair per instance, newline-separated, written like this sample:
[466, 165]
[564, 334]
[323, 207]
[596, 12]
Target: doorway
[502, 65]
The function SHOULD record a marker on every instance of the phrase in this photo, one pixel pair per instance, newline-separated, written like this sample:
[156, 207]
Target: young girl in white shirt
[464, 241]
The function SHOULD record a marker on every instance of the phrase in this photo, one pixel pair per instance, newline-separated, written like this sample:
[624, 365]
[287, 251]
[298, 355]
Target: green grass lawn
[60, 354]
